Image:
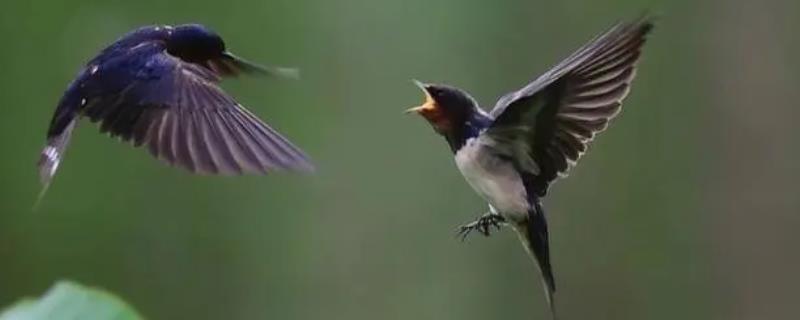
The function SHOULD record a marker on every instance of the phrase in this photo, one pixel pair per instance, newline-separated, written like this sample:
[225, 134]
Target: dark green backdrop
[686, 208]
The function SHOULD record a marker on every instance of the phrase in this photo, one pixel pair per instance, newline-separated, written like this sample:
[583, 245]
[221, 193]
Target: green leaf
[67, 301]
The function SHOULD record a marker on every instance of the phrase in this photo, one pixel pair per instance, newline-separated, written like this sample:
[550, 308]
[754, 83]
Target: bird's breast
[493, 178]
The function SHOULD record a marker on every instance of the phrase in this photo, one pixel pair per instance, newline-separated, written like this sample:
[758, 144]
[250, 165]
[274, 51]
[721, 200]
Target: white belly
[493, 178]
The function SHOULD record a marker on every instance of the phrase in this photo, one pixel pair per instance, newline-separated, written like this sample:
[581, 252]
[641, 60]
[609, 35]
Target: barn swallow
[534, 135]
[158, 86]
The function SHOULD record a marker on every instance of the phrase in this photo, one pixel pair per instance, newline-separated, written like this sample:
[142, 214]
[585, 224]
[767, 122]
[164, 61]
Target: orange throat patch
[432, 112]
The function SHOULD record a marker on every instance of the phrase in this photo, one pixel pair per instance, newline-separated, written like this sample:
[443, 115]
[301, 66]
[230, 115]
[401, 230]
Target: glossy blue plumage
[511, 155]
[158, 86]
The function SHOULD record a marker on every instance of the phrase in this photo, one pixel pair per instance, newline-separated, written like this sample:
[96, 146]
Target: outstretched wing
[179, 112]
[551, 121]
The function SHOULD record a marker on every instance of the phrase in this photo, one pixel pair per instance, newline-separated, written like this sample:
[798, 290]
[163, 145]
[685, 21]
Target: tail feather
[535, 238]
[51, 157]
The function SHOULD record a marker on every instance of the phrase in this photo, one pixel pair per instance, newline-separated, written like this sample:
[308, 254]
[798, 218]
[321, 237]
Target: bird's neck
[474, 124]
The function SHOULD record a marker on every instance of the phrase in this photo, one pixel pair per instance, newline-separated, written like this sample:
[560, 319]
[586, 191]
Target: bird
[535, 135]
[158, 86]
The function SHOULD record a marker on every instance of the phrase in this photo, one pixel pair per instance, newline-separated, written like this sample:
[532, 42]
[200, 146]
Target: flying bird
[158, 86]
[534, 135]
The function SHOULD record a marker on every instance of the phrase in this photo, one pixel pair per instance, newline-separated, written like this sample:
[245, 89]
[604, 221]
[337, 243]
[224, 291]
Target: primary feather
[552, 120]
[159, 87]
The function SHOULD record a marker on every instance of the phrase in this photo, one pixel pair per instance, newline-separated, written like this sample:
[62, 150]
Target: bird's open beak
[428, 106]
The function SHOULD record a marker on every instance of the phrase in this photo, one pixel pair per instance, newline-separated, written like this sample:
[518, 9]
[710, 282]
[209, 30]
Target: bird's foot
[482, 225]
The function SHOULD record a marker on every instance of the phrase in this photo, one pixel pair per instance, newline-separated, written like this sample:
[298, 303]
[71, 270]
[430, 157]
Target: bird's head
[446, 108]
[195, 43]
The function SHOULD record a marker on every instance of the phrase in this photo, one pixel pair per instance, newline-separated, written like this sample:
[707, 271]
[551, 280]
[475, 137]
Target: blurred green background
[686, 208]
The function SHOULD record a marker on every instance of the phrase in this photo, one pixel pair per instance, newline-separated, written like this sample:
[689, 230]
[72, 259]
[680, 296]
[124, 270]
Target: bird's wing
[549, 123]
[179, 112]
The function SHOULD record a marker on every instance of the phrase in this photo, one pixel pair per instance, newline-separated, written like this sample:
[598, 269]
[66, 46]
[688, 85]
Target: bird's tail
[51, 157]
[533, 234]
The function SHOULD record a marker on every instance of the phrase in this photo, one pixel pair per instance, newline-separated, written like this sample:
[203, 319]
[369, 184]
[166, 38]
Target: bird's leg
[482, 225]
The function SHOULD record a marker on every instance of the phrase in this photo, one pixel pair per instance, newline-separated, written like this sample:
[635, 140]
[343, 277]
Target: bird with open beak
[534, 135]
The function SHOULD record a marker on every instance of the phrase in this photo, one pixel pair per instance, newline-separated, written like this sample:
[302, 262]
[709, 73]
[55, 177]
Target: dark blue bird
[534, 135]
[158, 86]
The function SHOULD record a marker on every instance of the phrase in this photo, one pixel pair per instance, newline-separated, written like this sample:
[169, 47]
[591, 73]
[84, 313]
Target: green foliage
[69, 300]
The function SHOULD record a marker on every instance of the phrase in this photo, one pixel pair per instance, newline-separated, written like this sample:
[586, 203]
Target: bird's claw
[482, 225]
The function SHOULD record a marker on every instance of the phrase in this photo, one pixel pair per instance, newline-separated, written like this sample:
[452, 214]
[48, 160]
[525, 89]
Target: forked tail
[536, 242]
[51, 157]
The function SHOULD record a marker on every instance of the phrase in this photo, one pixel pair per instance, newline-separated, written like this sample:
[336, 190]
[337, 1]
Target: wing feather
[180, 113]
[559, 114]
[220, 145]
